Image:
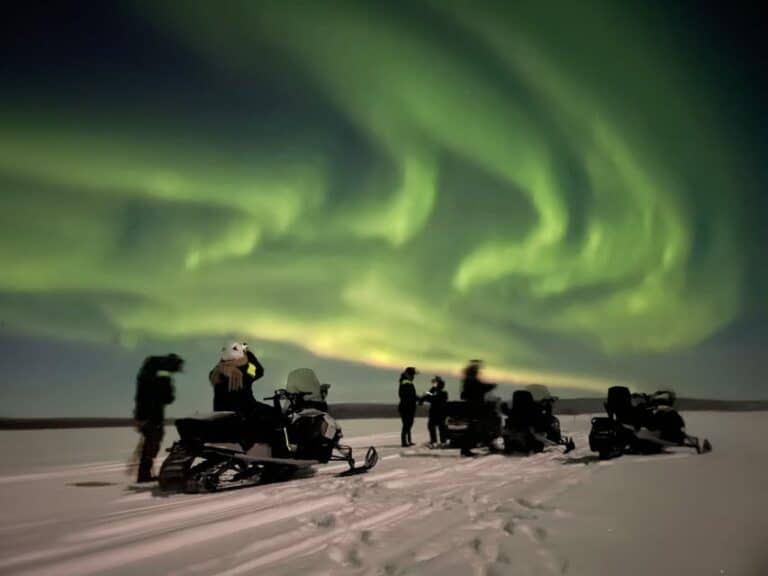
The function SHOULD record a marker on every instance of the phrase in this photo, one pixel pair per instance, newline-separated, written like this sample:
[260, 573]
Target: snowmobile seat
[216, 427]
[619, 405]
[523, 420]
[523, 413]
[224, 446]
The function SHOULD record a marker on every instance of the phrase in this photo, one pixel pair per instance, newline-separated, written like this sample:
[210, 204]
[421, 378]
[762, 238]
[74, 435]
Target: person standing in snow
[437, 398]
[473, 391]
[407, 405]
[154, 391]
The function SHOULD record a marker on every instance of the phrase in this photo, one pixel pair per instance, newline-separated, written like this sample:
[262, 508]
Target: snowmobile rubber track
[174, 473]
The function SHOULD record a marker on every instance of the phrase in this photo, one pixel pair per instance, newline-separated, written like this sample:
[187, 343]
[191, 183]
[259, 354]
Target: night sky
[574, 192]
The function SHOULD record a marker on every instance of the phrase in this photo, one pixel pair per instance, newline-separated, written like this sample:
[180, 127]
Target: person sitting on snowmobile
[154, 390]
[233, 377]
[473, 391]
[407, 406]
[232, 380]
[437, 398]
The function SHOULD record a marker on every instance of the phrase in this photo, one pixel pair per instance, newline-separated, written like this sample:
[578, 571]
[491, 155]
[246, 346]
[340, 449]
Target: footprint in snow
[487, 550]
[533, 505]
[509, 527]
[390, 569]
[355, 492]
[354, 558]
[427, 552]
[336, 554]
[325, 521]
[498, 568]
[351, 557]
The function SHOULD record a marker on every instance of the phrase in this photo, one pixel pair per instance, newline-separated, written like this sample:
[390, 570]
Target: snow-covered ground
[68, 508]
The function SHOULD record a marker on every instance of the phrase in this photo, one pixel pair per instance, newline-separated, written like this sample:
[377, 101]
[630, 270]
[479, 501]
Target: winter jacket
[408, 397]
[236, 399]
[473, 390]
[437, 401]
[154, 388]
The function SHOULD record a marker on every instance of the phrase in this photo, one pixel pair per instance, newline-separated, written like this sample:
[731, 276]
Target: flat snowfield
[67, 508]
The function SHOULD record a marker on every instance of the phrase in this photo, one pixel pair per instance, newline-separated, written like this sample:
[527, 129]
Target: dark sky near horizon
[574, 192]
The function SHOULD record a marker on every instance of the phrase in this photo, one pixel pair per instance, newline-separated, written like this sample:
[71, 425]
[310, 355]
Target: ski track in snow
[66, 472]
[415, 513]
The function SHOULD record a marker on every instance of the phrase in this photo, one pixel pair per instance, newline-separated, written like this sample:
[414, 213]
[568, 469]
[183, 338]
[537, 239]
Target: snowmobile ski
[371, 459]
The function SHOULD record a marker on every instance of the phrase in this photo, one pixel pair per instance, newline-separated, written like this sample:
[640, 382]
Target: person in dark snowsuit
[437, 398]
[473, 391]
[154, 391]
[232, 380]
[407, 405]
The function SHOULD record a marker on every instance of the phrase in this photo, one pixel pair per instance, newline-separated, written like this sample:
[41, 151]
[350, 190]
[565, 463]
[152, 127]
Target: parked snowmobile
[224, 450]
[475, 420]
[483, 421]
[551, 423]
[640, 424]
[531, 425]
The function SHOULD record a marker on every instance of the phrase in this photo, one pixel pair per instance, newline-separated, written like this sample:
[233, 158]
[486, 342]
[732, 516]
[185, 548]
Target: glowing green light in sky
[602, 169]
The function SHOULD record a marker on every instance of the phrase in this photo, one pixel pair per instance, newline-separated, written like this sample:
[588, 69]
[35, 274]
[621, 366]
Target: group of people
[232, 380]
[409, 399]
[473, 392]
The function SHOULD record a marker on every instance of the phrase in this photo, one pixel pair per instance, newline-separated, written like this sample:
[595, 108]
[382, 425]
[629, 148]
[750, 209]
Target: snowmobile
[551, 423]
[640, 424]
[226, 450]
[531, 425]
[486, 422]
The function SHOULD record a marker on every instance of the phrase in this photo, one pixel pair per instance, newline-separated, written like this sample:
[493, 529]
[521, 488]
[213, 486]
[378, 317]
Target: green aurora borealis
[383, 184]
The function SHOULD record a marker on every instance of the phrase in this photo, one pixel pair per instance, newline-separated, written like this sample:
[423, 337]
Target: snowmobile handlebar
[282, 393]
[660, 397]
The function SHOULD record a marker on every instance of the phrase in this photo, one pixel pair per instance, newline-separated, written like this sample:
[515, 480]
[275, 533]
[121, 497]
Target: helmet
[233, 351]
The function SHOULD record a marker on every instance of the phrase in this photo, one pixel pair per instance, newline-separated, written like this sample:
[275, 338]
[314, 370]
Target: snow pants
[151, 437]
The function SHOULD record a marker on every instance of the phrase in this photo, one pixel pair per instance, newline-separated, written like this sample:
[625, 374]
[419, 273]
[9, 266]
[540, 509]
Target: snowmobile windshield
[538, 391]
[664, 398]
[305, 380]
